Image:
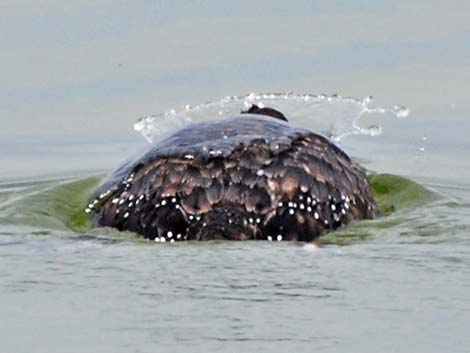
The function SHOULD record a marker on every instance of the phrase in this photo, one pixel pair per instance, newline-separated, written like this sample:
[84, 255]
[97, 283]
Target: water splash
[333, 115]
[421, 147]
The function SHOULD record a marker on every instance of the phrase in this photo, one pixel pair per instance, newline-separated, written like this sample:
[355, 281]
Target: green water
[60, 205]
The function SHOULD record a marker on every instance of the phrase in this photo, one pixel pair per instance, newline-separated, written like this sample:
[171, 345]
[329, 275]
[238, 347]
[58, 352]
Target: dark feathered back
[240, 178]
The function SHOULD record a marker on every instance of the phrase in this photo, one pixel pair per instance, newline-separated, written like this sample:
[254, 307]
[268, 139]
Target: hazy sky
[96, 66]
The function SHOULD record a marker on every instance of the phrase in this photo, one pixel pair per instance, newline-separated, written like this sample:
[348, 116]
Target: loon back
[240, 178]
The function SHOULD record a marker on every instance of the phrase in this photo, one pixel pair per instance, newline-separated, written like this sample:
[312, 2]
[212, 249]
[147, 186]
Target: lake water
[76, 78]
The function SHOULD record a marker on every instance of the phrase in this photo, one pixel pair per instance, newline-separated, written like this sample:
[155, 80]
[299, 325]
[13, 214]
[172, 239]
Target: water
[69, 99]
[394, 284]
[334, 116]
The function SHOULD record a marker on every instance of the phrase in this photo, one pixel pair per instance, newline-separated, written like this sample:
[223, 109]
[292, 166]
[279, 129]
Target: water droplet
[400, 111]
[375, 130]
[368, 100]
[335, 115]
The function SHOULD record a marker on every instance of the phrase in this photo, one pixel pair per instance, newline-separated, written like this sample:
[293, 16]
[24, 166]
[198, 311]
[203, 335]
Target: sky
[94, 67]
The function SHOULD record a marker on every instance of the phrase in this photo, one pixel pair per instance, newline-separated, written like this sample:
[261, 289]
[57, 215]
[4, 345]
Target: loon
[248, 177]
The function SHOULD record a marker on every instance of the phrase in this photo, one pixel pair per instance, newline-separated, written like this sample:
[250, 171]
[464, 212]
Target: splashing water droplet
[421, 148]
[400, 111]
[334, 115]
[366, 101]
[375, 130]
